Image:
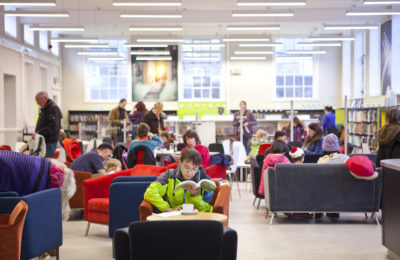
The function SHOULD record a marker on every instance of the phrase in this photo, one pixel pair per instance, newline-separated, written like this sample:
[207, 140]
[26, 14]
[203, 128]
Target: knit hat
[330, 143]
[296, 152]
[361, 167]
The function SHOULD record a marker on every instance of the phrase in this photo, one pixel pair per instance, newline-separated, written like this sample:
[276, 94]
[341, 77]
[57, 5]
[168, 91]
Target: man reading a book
[164, 193]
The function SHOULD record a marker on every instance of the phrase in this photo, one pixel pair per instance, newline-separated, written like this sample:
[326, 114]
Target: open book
[205, 184]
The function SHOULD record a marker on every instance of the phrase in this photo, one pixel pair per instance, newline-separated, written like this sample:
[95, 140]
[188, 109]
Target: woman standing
[298, 130]
[313, 142]
[389, 137]
[136, 117]
[249, 121]
[155, 119]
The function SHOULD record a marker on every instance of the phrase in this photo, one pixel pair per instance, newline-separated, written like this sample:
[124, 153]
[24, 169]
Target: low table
[198, 216]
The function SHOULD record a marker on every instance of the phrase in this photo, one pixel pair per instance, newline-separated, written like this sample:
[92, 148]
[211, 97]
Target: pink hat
[361, 167]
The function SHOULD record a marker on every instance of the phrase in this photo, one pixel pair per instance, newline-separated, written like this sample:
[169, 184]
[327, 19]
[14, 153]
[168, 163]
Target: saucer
[189, 212]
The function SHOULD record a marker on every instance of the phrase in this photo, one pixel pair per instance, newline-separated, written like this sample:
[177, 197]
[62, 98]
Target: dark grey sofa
[319, 188]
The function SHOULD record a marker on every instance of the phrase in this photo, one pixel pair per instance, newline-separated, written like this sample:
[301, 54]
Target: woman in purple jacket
[136, 117]
[249, 121]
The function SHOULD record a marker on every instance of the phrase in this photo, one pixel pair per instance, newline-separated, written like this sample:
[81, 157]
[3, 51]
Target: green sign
[202, 109]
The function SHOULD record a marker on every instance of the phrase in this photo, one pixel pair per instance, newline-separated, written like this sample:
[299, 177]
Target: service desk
[391, 207]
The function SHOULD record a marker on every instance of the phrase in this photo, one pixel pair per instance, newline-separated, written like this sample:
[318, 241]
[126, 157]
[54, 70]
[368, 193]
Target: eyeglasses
[187, 168]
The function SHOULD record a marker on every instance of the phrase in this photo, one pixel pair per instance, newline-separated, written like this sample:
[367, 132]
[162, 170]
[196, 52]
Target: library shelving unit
[86, 125]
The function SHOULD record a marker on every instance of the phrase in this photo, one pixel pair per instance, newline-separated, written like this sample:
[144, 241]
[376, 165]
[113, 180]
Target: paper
[168, 214]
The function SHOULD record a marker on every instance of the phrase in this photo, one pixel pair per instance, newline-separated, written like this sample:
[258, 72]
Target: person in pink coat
[192, 140]
[278, 150]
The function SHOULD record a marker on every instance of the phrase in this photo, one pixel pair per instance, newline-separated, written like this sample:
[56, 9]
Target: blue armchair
[43, 224]
[126, 195]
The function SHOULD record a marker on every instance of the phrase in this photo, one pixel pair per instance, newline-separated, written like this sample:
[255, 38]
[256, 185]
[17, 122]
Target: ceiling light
[331, 38]
[350, 26]
[254, 28]
[138, 15]
[147, 3]
[130, 45]
[262, 14]
[55, 28]
[86, 46]
[319, 44]
[272, 44]
[29, 3]
[153, 58]
[74, 40]
[97, 53]
[139, 29]
[203, 45]
[253, 52]
[305, 52]
[36, 14]
[271, 3]
[202, 58]
[371, 2]
[106, 58]
[291, 58]
[150, 53]
[248, 58]
[159, 40]
[365, 12]
[245, 40]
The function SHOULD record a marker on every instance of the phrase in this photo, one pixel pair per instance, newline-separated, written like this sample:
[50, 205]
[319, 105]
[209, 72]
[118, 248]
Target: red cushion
[147, 170]
[217, 171]
[263, 148]
[98, 204]
[171, 165]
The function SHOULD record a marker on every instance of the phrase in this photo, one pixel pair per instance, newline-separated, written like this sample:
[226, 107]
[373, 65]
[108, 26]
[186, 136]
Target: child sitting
[162, 194]
[331, 155]
[113, 165]
[297, 154]
[261, 138]
[278, 149]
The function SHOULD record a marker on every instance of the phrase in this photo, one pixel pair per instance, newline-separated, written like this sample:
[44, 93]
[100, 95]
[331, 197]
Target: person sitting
[166, 139]
[162, 195]
[297, 155]
[146, 138]
[277, 155]
[261, 138]
[113, 165]
[192, 140]
[330, 147]
[313, 142]
[93, 161]
[281, 136]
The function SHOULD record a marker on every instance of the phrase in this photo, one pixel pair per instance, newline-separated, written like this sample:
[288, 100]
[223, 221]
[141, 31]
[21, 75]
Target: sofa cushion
[98, 204]
[147, 170]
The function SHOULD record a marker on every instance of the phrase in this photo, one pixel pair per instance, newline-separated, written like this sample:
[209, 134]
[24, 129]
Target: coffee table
[198, 216]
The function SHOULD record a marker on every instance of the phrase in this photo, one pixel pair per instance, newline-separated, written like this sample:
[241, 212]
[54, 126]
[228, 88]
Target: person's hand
[169, 210]
[150, 135]
[194, 192]
[246, 124]
[33, 136]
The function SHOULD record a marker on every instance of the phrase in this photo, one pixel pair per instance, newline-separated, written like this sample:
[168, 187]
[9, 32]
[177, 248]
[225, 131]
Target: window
[43, 40]
[294, 74]
[10, 23]
[201, 70]
[29, 35]
[55, 45]
[108, 79]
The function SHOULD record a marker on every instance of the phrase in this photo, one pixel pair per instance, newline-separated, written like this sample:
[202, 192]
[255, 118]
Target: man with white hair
[49, 122]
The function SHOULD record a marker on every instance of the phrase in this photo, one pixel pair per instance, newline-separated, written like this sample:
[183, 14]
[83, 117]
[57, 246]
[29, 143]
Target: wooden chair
[77, 202]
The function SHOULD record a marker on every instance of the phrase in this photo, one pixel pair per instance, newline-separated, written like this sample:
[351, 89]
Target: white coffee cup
[187, 207]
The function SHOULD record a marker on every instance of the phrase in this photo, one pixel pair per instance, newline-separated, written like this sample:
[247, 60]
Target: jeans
[50, 150]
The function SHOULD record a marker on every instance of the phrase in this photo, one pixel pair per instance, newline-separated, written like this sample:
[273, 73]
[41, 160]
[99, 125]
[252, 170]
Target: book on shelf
[205, 184]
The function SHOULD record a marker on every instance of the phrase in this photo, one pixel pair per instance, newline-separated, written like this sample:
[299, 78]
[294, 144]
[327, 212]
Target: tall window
[55, 45]
[201, 70]
[10, 23]
[294, 74]
[108, 79]
[29, 35]
[44, 40]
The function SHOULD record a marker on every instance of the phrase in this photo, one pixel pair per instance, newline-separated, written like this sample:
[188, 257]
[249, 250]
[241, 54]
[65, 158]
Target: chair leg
[87, 229]
[376, 219]
[58, 253]
[254, 201]
[258, 205]
[366, 215]
[272, 219]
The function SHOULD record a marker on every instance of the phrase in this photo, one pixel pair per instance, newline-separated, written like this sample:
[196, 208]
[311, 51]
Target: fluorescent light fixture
[262, 14]
[272, 44]
[271, 3]
[36, 14]
[106, 58]
[331, 38]
[291, 58]
[248, 58]
[202, 58]
[373, 13]
[319, 44]
[140, 15]
[245, 40]
[305, 52]
[56, 28]
[371, 2]
[254, 28]
[153, 58]
[97, 53]
[147, 3]
[86, 46]
[203, 45]
[159, 40]
[164, 28]
[28, 3]
[350, 26]
[130, 45]
[253, 52]
[150, 53]
[74, 39]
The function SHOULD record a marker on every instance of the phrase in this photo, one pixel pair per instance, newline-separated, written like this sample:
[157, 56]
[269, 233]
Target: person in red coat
[192, 140]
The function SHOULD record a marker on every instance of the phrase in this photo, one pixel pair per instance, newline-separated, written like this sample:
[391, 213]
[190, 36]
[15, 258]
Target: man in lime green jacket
[162, 194]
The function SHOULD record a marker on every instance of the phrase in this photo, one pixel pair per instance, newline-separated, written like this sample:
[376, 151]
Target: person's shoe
[333, 215]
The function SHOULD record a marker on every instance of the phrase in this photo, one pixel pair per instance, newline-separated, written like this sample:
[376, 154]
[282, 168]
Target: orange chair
[220, 203]
[11, 226]
[76, 202]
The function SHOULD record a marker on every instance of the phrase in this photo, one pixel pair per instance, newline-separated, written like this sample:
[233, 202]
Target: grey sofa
[319, 188]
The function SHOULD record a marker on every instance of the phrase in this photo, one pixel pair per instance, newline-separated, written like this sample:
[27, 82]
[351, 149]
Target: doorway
[10, 110]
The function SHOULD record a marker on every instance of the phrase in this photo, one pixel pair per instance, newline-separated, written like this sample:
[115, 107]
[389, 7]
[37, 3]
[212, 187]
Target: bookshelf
[86, 125]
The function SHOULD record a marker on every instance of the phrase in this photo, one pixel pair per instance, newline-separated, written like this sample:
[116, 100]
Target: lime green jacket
[161, 193]
[255, 146]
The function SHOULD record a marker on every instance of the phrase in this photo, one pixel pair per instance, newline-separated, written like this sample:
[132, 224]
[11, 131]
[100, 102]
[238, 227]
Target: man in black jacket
[49, 122]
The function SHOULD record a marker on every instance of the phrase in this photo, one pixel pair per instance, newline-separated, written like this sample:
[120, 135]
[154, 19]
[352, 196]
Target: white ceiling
[200, 17]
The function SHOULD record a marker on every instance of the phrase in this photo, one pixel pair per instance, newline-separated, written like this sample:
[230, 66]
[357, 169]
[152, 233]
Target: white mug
[187, 207]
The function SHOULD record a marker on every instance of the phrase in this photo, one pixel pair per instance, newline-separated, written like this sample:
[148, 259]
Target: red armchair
[217, 171]
[96, 192]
